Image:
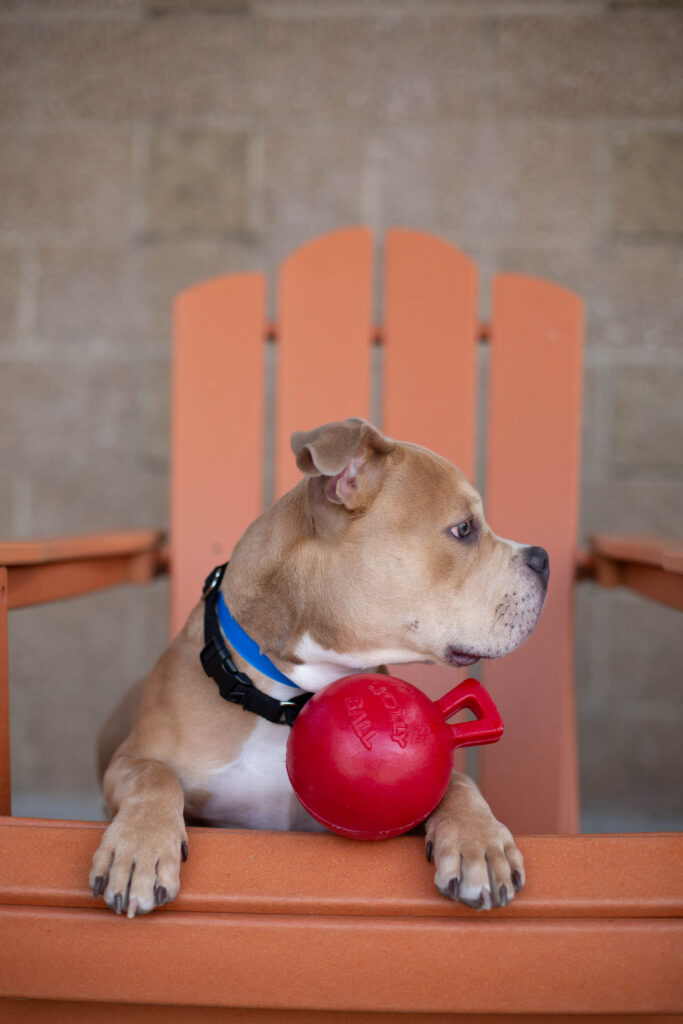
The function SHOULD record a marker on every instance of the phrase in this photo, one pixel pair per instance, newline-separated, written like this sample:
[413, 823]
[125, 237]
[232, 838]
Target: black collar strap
[233, 685]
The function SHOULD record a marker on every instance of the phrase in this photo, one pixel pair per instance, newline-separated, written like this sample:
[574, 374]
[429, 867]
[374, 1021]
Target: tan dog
[380, 554]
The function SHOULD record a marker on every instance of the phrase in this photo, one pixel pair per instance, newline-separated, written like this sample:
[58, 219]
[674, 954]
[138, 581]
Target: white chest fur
[254, 790]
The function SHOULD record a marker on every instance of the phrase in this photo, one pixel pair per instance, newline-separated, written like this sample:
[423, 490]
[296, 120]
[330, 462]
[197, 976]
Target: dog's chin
[462, 659]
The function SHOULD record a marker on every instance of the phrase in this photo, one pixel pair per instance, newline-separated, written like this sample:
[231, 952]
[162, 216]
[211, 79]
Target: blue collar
[247, 648]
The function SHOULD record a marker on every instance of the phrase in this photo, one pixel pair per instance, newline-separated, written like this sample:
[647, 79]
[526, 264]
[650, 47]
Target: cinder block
[154, 397]
[650, 505]
[80, 298]
[69, 69]
[648, 184]
[10, 273]
[197, 182]
[318, 68]
[94, 648]
[64, 182]
[648, 417]
[434, 66]
[633, 294]
[129, 493]
[634, 298]
[71, 417]
[369, 67]
[630, 768]
[28, 8]
[436, 181]
[157, 272]
[122, 68]
[613, 63]
[546, 184]
[196, 6]
[197, 67]
[313, 183]
[645, 645]
[518, 183]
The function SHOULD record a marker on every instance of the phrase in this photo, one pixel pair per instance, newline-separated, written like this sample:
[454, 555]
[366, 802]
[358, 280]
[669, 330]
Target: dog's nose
[537, 559]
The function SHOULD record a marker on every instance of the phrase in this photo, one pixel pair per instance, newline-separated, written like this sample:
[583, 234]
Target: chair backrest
[428, 341]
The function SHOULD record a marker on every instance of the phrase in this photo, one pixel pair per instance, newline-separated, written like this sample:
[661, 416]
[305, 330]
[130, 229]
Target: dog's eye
[463, 530]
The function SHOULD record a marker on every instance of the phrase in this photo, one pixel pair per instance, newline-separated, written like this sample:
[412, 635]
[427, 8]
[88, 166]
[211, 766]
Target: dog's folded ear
[350, 454]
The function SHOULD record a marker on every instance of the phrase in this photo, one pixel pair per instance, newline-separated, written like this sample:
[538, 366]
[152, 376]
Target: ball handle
[489, 725]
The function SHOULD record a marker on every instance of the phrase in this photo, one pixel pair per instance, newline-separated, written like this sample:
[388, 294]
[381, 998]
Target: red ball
[370, 756]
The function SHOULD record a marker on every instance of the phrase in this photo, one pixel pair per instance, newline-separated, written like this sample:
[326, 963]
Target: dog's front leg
[475, 856]
[137, 865]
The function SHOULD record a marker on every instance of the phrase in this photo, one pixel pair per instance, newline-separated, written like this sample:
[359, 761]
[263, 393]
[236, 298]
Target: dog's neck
[263, 589]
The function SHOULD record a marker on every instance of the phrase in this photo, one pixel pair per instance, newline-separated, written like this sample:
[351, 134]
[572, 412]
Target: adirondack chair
[311, 924]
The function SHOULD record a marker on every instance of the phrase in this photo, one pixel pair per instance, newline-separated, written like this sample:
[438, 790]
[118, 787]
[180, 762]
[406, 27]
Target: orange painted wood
[29, 1010]
[657, 584]
[5, 776]
[218, 424]
[36, 584]
[657, 551]
[430, 346]
[429, 382]
[541, 966]
[532, 488]
[237, 871]
[651, 566]
[319, 922]
[91, 545]
[324, 349]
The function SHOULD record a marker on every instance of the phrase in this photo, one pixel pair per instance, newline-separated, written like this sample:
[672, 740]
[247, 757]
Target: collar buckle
[213, 580]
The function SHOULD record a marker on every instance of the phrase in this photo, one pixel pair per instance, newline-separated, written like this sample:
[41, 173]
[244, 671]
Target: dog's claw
[503, 895]
[98, 886]
[183, 850]
[483, 901]
[454, 888]
[430, 851]
[161, 895]
[118, 903]
[517, 881]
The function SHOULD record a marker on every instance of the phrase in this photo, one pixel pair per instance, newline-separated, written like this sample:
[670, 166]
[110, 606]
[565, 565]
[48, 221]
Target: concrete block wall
[148, 144]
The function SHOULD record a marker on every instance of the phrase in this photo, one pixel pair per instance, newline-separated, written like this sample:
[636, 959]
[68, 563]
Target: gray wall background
[147, 145]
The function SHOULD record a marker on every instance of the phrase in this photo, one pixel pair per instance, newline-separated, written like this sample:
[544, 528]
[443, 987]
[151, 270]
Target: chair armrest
[652, 566]
[46, 570]
[318, 923]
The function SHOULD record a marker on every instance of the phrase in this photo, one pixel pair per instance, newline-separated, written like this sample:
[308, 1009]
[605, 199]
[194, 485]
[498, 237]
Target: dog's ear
[350, 455]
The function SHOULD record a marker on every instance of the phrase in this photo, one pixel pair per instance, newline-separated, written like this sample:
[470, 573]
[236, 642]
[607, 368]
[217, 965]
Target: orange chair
[310, 924]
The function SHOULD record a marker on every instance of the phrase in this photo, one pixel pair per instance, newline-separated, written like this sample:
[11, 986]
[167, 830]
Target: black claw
[503, 895]
[517, 881]
[98, 886]
[118, 903]
[430, 851]
[183, 850]
[161, 895]
[454, 888]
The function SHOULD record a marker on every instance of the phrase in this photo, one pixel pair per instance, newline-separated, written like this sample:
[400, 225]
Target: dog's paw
[137, 865]
[476, 859]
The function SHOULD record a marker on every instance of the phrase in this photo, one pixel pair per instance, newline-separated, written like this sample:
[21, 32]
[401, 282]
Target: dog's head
[409, 568]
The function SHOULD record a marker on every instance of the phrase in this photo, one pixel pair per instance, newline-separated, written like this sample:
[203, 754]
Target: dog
[380, 555]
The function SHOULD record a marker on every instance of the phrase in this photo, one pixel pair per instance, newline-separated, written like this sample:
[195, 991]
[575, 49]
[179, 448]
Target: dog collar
[217, 661]
[241, 642]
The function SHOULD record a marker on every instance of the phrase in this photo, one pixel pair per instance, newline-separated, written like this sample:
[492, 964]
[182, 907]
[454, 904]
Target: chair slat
[5, 780]
[430, 368]
[325, 318]
[532, 497]
[218, 417]
[430, 359]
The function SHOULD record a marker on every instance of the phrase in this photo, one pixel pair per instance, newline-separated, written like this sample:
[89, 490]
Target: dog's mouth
[461, 658]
